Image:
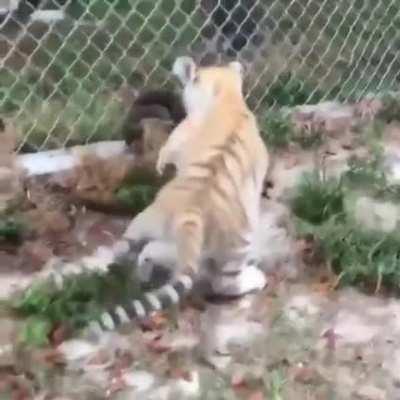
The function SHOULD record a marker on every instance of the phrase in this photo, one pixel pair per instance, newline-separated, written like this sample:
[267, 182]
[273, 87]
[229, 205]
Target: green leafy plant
[278, 129]
[317, 198]
[80, 300]
[136, 197]
[276, 384]
[140, 187]
[391, 107]
[289, 91]
[11, 229]
[358, 255]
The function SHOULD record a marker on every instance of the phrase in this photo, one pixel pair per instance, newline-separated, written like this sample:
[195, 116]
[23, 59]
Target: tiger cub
[211, 208]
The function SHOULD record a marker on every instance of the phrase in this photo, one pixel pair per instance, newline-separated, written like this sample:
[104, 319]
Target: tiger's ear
[238, 67]
[185, 69]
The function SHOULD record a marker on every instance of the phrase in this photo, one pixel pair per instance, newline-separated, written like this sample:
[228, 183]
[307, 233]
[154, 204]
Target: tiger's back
[213, 203]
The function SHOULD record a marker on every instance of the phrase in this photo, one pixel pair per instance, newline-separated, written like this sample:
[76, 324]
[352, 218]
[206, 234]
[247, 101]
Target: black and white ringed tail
[160, 299]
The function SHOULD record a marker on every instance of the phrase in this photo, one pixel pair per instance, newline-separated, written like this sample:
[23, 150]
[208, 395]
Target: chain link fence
[67, 75]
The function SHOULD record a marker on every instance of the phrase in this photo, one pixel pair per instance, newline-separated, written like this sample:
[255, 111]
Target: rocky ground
[301, 338]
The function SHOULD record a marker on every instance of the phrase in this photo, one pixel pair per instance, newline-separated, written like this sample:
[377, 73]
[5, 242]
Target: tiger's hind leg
[189, 237]
[145, 227]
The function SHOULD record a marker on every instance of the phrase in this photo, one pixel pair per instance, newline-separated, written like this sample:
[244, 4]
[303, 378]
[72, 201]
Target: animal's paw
[249, 280]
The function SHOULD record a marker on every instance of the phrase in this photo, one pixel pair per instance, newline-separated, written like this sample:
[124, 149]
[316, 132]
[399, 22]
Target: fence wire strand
[64, 64]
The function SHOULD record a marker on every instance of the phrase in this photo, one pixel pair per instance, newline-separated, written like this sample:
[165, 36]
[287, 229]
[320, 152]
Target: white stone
[376, 215]
[140, 380]
[75, 349]
[370, 392]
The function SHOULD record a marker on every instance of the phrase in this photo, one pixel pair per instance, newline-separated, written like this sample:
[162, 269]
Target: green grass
[317, 198]
[279, 132]
[277, 129]
[323, 210]
[81, 300]
[11, 229]
[391, 107]
[289, 91]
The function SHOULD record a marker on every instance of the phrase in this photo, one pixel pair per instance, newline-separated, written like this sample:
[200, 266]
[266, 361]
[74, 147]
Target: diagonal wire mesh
[62, 77]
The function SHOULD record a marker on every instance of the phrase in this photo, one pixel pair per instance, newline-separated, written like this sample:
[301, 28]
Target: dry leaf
[117, 384]
[238, 380]
[157, 346]
[59, 334]
[323, 288]
[123, 361]
[305, 375]
[257, 395]
[331, 338]
[179, 373]
[154, 322]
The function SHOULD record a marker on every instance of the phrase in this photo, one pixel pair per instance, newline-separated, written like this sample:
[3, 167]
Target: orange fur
[212, 206]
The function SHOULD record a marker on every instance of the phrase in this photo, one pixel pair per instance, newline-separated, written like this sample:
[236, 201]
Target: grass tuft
[358, 255]
[80, 300]
[317, 198]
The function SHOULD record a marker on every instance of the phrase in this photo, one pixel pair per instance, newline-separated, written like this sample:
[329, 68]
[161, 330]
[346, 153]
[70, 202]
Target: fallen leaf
[291, 160]
[52, 356]
[238, 380]
[179, 373]
[59, 334]
[154, 322]
[322, 288]
[117, 384]
[158, 347]
[64, 180]
[102, 232]
[305, 375]
[123, 361]
[331, 338]
[100, 358]
[257, 395]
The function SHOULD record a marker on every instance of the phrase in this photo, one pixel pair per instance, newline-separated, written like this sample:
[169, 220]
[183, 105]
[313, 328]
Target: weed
[278, 129]
[367, 170]
[289, 91]
[317, 198]
[11, 229]
[80, 300]
[136, 197]
[276, 385]
[391, 107]
[358, 256]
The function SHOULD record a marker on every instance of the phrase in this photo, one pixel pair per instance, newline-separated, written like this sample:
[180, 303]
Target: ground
[301, 338]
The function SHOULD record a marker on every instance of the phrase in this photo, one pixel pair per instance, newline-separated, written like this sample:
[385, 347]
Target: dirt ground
[298, 339]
